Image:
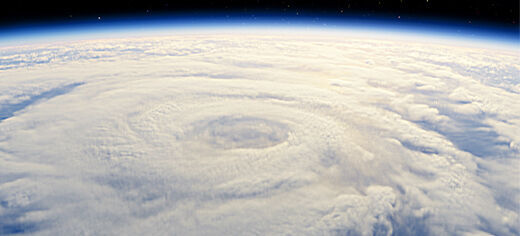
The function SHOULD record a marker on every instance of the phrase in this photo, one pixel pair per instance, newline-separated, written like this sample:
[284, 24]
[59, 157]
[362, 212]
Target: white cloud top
[269, 135]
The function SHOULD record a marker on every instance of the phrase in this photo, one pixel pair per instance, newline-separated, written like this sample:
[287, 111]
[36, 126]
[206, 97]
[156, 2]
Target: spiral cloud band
[256, 134]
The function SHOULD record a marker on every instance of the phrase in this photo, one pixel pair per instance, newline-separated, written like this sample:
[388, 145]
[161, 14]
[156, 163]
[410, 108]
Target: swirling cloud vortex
[256, 134]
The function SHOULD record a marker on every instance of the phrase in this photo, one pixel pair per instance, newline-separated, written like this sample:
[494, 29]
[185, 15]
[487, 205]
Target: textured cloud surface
[267, 135]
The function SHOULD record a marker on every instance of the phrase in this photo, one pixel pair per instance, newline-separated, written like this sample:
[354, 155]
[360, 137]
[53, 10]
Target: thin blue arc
[128, 23]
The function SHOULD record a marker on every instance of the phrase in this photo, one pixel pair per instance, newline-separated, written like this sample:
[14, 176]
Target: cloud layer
[256, 134]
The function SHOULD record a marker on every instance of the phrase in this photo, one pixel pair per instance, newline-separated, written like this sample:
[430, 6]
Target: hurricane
[259, 134]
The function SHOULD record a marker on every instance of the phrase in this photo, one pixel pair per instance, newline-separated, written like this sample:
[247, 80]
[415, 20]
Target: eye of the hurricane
[241, 132]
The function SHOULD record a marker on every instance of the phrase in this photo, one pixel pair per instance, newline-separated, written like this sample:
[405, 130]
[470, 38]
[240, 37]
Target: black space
[499, 12]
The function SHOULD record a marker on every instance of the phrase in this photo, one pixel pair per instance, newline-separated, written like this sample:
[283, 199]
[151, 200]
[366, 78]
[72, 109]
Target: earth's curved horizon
[251, 132]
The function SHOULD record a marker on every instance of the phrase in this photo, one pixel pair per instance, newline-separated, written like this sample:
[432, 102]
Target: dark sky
[499, 12]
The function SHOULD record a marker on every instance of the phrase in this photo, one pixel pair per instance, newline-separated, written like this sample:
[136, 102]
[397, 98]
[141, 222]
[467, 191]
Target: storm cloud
[257, 134]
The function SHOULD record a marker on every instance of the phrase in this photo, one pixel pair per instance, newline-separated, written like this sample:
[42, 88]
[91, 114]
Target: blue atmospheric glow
[172, 24]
